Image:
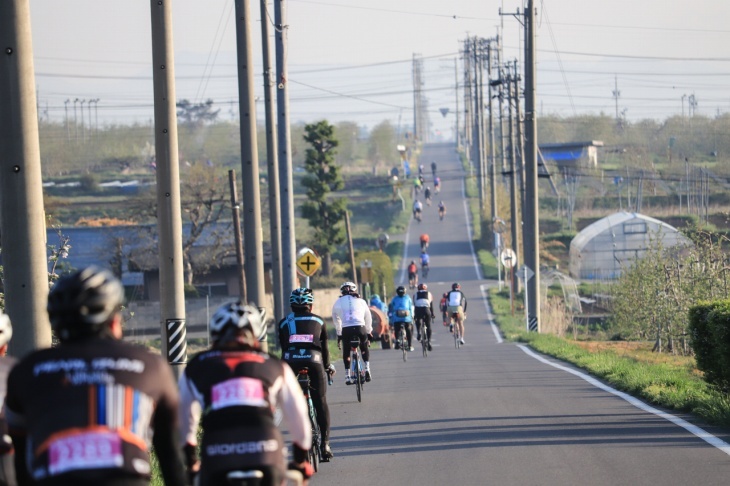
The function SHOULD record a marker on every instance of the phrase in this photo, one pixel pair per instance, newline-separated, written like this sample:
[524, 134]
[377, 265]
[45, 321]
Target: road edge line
[693, 429]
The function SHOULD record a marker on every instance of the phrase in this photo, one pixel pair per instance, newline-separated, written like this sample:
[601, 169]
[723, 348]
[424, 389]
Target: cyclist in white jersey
[351, 316]
[456, 304]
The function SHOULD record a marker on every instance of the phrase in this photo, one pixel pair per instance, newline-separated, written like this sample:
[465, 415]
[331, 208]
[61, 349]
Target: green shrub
[709, 330]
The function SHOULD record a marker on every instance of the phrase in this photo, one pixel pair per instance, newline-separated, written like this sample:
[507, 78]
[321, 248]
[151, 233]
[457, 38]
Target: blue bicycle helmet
[301, 296]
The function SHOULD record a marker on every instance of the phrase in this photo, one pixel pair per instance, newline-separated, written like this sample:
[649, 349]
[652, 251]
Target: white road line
[484, 288]
[468, 230]
[693, 429]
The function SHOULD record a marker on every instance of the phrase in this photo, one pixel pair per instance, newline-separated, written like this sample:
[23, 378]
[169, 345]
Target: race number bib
[301, 338]
[238, 391]
[91, 450]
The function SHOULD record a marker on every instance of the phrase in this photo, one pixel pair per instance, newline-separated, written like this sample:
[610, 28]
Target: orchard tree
[325, 214]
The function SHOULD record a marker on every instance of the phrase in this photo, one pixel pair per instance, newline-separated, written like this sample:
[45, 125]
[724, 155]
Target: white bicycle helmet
[6, 329]
[348, 288]
[240, 316]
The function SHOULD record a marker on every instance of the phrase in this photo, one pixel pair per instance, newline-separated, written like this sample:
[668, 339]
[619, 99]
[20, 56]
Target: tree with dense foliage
[196, 114]
[325, 214]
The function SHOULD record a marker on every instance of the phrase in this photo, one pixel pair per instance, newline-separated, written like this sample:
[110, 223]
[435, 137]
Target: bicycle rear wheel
[424, 337]
[358, 378]
[404, 342]
[316, 450]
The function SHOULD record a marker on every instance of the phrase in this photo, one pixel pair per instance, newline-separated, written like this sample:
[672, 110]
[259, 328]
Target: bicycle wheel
[404, 342]
[424, 338]
[358, 378]
[316, 450]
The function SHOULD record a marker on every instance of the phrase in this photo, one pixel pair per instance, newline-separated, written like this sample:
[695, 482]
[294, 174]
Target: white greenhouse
[603, 249]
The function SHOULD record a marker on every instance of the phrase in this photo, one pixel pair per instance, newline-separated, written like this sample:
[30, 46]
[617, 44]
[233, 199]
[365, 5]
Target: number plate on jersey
[90, 450]
[301, 338]
[238, 391]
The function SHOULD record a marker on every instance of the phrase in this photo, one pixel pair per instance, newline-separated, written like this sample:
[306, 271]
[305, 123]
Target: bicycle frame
[357, 367]
[316, 450]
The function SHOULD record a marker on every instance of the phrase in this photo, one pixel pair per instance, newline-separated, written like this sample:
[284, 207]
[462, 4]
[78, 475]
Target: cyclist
[7, 470]
[425, 259]
[457, 305]
[412, 274]
[420, 170]
[436, 185]
[443, 307]
[92, 392]
[352, 318]
[303, 340]
[433, 169]
[378, 304]
[427, 195]
[442, 210]
[424, 310]
[424, 239]
[417, 185]
[417, 208]
[400, 313]
[237, 386]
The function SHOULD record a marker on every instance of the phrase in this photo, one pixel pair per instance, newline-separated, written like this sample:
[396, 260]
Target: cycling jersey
[412, 269]
[403, 304]
[436, 181]
[238, 390]
[87, 411]
[349, 311]
[303, 340]
[417, 206]
[424, 259]
[423, 298]
[457, 298]
[7, 470]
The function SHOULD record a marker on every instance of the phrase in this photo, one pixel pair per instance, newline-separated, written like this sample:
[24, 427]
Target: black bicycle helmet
[301, 297]
[455, 286]
[239, 316]
[82, 303]
[401, 291]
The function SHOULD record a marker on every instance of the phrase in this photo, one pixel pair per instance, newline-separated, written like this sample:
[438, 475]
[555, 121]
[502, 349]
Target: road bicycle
[417, 215]
[413, 280]
[421, 324]
[424, 270]
[457, 334]
[315, 452]
[442, 211]
[357, 367]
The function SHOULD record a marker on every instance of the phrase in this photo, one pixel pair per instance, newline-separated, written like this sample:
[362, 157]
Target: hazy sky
[352, 59]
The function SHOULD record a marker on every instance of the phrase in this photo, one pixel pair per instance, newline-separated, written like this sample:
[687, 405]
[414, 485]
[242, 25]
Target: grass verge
[670, 383]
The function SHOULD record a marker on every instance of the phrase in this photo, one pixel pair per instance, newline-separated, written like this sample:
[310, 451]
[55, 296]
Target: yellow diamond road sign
[308, 262]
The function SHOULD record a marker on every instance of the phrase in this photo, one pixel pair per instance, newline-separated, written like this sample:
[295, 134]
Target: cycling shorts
[456, 309]
[412, 275]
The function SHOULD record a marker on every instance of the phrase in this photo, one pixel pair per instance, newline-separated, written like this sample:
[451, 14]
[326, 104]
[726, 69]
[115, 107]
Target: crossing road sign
[525, 273]
[308, 262]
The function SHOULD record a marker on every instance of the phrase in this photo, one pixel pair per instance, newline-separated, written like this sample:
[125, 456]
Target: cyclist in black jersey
[87, 411]
[303, 340]
[7, 469]
[237, 387]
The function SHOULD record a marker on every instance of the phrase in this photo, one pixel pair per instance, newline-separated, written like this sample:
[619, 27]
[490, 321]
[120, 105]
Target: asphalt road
[490, 413]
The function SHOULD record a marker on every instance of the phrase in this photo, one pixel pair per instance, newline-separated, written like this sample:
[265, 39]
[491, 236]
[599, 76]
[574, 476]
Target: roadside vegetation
[668, 381]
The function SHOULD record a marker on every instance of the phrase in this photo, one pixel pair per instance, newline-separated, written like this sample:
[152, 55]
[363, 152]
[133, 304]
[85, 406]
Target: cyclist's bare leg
[460, 324]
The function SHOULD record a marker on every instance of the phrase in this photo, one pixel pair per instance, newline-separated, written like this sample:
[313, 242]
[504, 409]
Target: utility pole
[288, 242]
[238, 238]
[468, 118]
[520, 145]
[252, 235]
[532, 218]
[83, 124]
[491, 163]
[476, 148]
[76, 123]
[272, 165]
[21, 196]
[456, 90]
[616, 93]
[479, 44]
[169, 217]
[65, 112]
[350, 247]
[515, 220]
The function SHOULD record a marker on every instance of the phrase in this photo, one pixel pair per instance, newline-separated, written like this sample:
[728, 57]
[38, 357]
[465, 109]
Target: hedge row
[709, 328]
